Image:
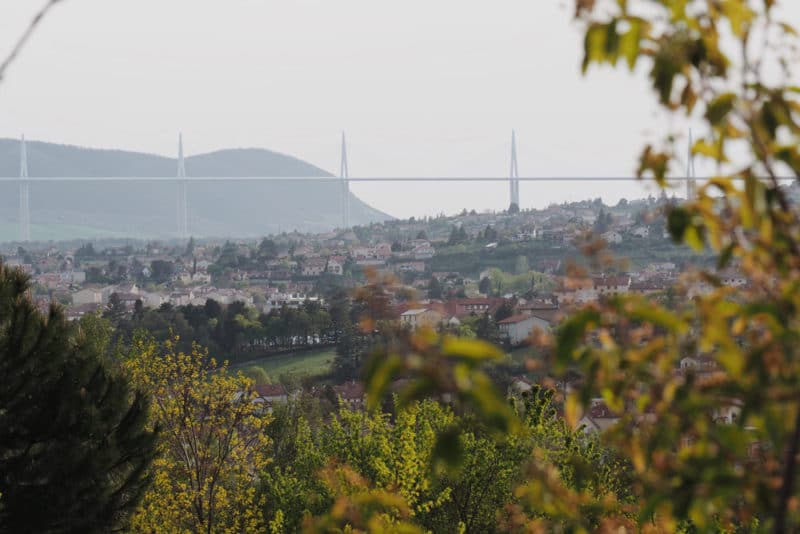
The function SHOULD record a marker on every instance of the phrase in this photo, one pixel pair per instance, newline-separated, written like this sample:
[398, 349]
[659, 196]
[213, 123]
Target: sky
[421, 88]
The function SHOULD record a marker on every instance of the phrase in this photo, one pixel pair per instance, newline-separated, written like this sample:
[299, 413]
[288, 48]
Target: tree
[74, 447]
[513, 208]
[485, 285]
[434, 288]
[601, 223]
[161, 271]
[115, 309]
[422, 235]
[521, 265]
[268, 249]
[457, 235]
[212, 446]
[490, 234]
[504, 311]
[350, 353]
[189, 251]
[86, 251]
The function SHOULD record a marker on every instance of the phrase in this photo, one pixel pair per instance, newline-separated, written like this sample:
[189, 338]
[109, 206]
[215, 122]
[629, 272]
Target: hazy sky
[422, 88]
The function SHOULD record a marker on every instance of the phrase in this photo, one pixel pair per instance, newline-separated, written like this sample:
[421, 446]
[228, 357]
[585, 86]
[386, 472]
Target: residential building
[420, 317]
[518, 328]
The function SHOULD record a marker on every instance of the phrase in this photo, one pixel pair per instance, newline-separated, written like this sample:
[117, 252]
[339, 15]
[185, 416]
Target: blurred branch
[20, 44]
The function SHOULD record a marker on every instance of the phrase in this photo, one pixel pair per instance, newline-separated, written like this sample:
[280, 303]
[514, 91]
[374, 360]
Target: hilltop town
[470, 255]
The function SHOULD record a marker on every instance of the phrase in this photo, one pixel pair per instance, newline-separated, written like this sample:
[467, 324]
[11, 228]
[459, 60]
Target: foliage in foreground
[74, 442]
[386, 470]
[713, 448]
[212, 447]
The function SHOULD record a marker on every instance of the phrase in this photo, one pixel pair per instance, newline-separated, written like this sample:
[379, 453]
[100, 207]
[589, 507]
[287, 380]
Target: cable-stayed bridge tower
[183, 203]
[344, 174]
[513, 177]
[24, 194]
[691, 181]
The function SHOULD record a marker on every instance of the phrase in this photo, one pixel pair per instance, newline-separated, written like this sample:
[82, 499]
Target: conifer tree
[74, 445]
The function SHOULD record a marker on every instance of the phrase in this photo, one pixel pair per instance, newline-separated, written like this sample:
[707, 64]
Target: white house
[612, 237]
[334, 267]
[518, 328]
[598, 418]
[641, 231]
[153, 300]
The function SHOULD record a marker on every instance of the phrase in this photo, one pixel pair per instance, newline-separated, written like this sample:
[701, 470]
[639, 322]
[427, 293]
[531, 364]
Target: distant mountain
[95, 209]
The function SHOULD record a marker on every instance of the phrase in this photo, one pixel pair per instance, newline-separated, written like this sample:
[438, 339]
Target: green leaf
[678, 220]
[571, 332]
[694, 238]
[448, 447]
[719, 108]
[714, 151]
[658, 316]
[379, 376]
[739, 15]
[594, 45]
[470, 349]
[725, 257]
[629, 43]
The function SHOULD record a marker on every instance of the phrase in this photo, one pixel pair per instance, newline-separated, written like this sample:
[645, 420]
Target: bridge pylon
[513, 176]
[691, 180]
[183, 202]
[344, 174]
[24, 194]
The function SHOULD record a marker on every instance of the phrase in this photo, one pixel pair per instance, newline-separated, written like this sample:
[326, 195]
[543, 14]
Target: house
[598, 418]
[313, 267]
[128, 299]
[575, 290]
[181, 297]
[410, 267]
[612, 237]
[334, 267]
[350, 393]
[87, 296]
[521, 384]
[270, 394]
[647, 287]
[549, 265]
[641, 232]
[702, 366]
[420, 317]
[518, 328]
[153, 300]
[73, 277]
[611, 285]
[423, 251]
[732, 278]
[549, 314]
[74, 313]
[127, 288]
[464, 307]
[727, 412]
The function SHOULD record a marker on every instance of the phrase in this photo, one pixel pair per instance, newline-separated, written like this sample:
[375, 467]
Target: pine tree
[74, 442]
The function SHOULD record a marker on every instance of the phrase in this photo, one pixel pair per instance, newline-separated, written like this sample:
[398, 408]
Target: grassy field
[299, 364]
